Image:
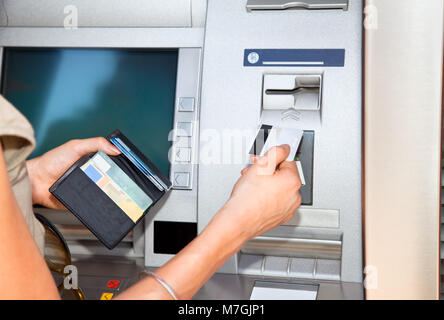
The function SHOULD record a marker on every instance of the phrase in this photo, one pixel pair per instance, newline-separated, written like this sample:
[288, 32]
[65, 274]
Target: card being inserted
[269, 136]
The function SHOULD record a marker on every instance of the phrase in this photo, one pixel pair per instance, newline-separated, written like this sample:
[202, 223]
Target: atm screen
[81, 93]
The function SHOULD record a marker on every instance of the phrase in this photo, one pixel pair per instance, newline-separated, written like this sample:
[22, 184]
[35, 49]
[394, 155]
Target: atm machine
[262, 52]
[236, 65]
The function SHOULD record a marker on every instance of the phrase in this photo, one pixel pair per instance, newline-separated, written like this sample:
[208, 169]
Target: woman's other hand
[46, 169]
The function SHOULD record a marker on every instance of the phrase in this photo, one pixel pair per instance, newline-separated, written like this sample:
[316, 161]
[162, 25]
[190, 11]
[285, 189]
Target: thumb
[86, 146]
[273, 158]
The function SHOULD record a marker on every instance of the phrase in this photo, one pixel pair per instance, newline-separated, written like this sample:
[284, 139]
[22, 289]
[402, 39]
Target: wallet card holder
[94, 208]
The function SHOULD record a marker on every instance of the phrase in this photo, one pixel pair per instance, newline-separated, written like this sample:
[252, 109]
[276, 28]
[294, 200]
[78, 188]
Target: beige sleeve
[16, 133]
[17, 140]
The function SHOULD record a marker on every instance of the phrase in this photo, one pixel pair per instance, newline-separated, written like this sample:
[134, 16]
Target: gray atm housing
[324, 240]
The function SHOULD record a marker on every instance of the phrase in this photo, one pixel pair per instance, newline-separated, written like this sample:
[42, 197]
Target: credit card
[269, 136]
[126, 151]
[116, 184]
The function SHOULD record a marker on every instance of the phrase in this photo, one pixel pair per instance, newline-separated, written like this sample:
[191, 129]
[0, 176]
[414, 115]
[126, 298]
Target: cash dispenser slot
[253, 5]
[294, 247]
[305, 254]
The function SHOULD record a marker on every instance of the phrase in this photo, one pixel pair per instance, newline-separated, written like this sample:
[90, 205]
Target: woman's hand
[266, 195]
[46, 169]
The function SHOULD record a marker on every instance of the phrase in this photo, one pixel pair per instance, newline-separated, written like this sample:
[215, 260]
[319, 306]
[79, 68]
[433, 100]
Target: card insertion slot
[261, 139]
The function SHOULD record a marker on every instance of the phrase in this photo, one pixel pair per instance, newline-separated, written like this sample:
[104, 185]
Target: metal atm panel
[242, 48]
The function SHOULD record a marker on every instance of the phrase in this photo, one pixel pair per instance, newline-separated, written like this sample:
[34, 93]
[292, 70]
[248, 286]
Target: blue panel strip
[294, 57]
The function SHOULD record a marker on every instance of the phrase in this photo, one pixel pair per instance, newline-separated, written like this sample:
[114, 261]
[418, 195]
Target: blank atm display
[80, 93]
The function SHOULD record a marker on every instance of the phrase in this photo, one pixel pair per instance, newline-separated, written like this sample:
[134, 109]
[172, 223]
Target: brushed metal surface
[102, 37]
[103, 13]
[403, 100]
[232, 101]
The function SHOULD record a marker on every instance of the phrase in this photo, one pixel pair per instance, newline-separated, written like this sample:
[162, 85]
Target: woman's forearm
[23, 272]
[196, 263]
[266, 196]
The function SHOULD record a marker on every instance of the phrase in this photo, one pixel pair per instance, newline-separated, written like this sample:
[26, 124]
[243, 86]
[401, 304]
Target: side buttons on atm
[182, 154]
[184, 129]
[184, 144]
[186, 104]
[182, 180]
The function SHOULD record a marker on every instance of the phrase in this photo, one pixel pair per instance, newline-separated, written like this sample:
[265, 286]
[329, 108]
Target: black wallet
[95, 208]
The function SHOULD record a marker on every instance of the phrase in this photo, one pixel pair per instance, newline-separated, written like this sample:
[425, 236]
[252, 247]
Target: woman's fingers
[267, 164]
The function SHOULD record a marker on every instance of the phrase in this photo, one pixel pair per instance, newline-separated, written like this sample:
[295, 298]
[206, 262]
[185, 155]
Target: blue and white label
[294, 57]
[253, 57]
